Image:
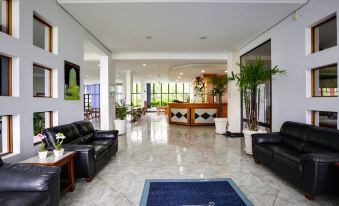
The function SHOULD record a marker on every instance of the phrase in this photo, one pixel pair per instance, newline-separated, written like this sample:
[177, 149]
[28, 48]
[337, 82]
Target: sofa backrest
[86, 130]
[324, 138]
[1, 162]
[69, 130]
[294, 134]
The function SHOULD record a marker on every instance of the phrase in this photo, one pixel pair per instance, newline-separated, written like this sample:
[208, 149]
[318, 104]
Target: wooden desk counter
[194, 114]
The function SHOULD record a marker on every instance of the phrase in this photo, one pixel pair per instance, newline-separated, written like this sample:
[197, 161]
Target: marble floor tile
[153, 149]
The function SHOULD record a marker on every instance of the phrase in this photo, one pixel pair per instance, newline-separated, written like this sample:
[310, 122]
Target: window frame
[50, 32]
[10, 75]
[313, 115]
[9, 18]
[168, 93]
[9, 135]
[138, 87]
[51, 119]
[313, 78]
[313, 32]
[50, 81]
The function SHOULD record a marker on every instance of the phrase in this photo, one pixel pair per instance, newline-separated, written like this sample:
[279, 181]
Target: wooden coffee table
[66, 159]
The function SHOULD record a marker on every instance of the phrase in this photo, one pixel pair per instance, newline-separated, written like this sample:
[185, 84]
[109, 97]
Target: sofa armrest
[319, 172]
[106, 134]
[273, 137]
[27, 177]
[78, 147]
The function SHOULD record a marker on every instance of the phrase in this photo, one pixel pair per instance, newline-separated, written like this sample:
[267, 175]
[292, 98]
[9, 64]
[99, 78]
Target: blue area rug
[192, 192]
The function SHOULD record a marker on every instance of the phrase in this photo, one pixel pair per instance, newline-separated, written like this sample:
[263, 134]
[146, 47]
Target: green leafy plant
[38, 122]
[219, 89]
[248, 81]
[121, 109]
[60, 138]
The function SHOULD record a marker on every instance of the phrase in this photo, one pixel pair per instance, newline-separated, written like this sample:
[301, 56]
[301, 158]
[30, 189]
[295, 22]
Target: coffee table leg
[71, 175]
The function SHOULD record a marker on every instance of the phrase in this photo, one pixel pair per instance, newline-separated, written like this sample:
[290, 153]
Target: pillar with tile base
[107, 102]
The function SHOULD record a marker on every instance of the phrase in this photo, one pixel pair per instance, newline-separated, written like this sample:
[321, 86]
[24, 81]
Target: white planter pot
[43, 155]
[58, 153]
[220, 125]
[120, 125]
[248, 139]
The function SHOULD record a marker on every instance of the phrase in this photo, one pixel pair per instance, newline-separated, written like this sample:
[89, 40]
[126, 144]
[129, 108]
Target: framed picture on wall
[72, 81]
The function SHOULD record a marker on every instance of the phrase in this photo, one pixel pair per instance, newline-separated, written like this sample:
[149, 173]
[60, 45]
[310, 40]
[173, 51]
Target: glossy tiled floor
[152, 149]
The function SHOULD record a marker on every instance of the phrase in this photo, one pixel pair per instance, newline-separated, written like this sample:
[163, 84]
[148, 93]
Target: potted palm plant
[121, 111]
[219, 90]
[249, 79]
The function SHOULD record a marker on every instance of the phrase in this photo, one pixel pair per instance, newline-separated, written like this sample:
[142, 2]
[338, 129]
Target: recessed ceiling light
[225, 71]
[179, 77]
[118, 75]
[203, 37]
[86, 75]
[181, 73]
[149, 37]
[203, 71]
[144, 65]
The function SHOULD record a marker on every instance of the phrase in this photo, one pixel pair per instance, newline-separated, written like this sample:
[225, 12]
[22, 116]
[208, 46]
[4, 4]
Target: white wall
[290, 39]
[70, 47]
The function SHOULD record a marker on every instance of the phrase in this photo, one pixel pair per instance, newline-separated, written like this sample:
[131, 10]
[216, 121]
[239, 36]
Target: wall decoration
[72, 81]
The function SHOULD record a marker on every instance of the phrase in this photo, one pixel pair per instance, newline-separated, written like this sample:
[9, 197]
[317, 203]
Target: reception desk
[194, 114]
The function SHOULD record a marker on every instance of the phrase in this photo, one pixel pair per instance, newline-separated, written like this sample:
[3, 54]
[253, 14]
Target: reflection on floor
[152, 149]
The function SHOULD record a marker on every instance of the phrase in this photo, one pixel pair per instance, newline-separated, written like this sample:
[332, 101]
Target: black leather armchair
[303, 154]
[29, 185]
[95, 147]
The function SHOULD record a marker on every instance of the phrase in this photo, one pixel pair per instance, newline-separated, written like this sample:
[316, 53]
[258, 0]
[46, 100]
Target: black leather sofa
[303, 154]
[95, 147]
[29, 185]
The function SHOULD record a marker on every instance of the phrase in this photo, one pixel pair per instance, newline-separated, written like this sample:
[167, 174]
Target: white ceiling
[176, 26]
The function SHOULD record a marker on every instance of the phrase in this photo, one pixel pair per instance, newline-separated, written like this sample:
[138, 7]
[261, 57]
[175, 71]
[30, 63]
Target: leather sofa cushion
[99, 150]
[106, 142]
[324, 137]
[85, 127]
[295, 130]
[293, 142]
[24, 198]
[288, 157]
[69, 130]
[313, 148]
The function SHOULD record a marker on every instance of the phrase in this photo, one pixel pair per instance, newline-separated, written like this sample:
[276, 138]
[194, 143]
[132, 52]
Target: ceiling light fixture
[202, 71]
[118, 75]
[144, 65]
[203, 37]
[86, 75]
[149, 37]
[181, 73]
[225, 71]
[179, 77]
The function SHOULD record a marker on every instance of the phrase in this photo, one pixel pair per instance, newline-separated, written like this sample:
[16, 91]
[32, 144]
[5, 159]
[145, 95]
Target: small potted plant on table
[58, 150]
[250, 77]
[219, 90]
[42, 150]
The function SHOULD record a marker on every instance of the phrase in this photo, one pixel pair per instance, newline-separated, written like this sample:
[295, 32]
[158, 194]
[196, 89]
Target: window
[325, 119]
[162, 94]
[325, 81]
[41, 121]
[92, 101]
[42, 81]
[42, 34]
[324, 35]
[119, 95]
[6, 16]
[6, 145]
[5, 76]
[136, 95]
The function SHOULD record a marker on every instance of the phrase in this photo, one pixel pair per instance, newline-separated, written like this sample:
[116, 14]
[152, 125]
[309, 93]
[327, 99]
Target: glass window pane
[180, 97]
[186, 97]
[38, 122]
[325, 35]
[4, 132]
[172, 88]
[41, 82]
[325, 119]
[134, 88]
[164, 98]
[157, 88]
[41, 34]
[186, 88]
[164, 88]
[4, 76]
[156, 100]
[325, 81]
[180, 87]
[172, 97]
[4, 16]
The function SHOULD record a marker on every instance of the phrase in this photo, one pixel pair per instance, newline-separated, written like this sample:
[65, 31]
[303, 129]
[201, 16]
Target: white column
[233, 95]
[129, 86]
[107, 107]
[143, 92]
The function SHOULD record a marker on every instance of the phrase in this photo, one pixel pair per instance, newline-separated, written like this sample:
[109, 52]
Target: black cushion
[85, 127]
[99, 150]
[293, 143]
[324, 137]
[24, 198]
[295, 130]
[106, 142]
[288, 157]
[69, 130]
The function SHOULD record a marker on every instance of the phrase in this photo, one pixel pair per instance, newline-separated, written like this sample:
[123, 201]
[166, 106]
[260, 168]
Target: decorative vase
[120, 125]
[220, 125]
[58, 153]
[248, 139]
[43, 155]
